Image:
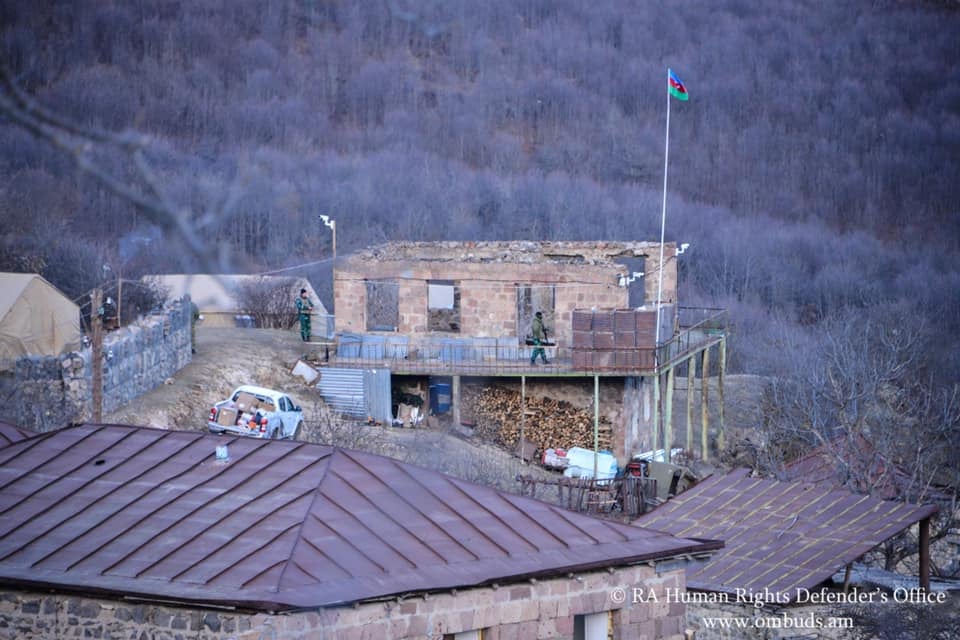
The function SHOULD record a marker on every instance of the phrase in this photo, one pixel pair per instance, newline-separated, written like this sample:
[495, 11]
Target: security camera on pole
[333, 227]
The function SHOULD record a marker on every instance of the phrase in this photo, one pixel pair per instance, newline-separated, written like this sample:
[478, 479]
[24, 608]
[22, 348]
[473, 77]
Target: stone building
[464, 310]
[116, 531]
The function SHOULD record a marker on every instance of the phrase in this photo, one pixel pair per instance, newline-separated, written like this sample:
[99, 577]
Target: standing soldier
[194, 316]
[539, 337]
[304, 308]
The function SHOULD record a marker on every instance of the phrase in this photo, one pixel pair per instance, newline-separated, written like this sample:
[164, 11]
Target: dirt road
[229, 357]
[225, 359]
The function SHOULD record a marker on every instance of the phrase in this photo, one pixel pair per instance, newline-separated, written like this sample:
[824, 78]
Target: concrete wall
[539, 610]
[51, 392]
[488, 274]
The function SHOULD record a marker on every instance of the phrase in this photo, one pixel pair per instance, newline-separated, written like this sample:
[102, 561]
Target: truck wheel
[298, 431]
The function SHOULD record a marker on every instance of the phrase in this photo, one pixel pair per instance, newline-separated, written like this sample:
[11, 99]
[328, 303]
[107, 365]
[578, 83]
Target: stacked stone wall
[51, 392]
[536, 609]
[488, 295]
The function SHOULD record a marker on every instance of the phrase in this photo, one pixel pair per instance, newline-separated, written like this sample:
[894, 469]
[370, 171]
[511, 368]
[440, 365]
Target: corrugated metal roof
[10, 433]
[779, 536]
[282, 525]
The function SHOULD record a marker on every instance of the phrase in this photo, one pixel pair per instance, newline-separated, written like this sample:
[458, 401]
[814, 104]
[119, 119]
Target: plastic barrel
[349, 345]
[440, 397]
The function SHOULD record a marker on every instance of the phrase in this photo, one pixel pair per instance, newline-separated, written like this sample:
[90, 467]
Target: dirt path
[229, 357]
[225, 359]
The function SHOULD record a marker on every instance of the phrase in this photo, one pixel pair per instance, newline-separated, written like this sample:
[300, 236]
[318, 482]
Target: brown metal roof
[282, 525]
[865, 469]
[10, 433]
[779, 536]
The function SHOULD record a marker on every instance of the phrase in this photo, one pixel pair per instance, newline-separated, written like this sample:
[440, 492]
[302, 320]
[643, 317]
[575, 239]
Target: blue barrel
[453, 350]
[349, 345]
[372, 346]
[440, 397]
[397, 347]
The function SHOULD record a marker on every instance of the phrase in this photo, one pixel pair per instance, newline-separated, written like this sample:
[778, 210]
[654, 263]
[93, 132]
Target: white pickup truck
[257, 412]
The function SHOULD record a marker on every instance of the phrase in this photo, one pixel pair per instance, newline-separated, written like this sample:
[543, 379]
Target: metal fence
[507, 356]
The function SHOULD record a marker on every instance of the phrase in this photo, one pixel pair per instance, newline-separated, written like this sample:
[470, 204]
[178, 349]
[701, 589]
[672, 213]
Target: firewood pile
[496, 412]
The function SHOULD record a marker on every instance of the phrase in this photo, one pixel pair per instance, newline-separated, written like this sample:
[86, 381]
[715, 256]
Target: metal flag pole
[656, 340]
[663, 226]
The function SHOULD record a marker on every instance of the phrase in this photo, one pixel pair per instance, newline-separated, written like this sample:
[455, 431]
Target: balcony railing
[506, 356]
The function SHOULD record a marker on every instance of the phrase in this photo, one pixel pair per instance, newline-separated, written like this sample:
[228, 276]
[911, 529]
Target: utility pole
[96, 352]
[119, 298]
[332, 224]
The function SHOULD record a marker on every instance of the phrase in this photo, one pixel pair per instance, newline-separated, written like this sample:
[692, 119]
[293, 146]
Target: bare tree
[269, 300]
[95, 152]
[857, 389]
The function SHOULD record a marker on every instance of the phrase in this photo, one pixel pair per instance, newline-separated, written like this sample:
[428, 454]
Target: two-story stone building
[465, 309]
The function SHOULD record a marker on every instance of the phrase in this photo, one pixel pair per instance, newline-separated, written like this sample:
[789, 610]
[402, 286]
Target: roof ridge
[306, 514]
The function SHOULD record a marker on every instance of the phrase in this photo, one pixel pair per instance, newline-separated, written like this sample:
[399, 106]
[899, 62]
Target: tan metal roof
[779, 536]
[282, 525]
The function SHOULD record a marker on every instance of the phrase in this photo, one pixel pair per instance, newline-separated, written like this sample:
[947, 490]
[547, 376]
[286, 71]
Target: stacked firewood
[497, 412]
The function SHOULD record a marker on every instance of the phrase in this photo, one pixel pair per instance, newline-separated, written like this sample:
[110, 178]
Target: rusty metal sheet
[10, 433]
[280, 525]
[780, 536]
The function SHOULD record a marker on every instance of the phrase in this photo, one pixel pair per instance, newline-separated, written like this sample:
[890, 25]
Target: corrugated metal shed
[361, 393]
[282, 525]
[779, 536]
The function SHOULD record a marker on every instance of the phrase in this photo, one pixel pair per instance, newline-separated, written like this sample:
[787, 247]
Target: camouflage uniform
[304, 307]
[539, 337]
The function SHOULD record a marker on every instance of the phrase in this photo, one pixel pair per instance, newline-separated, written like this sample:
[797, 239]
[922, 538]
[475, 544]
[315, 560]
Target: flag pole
[656, 340]
[663, 226]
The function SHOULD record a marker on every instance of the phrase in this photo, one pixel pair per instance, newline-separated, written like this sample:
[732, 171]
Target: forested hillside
[814, 169]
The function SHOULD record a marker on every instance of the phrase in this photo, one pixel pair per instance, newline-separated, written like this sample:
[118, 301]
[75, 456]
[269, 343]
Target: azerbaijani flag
[676, 87]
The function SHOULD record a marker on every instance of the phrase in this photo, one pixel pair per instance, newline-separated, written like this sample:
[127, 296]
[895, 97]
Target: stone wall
[585, 275]
[51, 392]
[543, 609]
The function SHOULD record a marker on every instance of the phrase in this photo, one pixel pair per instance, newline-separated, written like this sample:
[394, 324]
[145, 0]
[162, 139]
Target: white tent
[35, 318]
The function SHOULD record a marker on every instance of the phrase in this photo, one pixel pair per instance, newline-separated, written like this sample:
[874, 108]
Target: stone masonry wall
[488, 294]
[539, 610]
[52, 392]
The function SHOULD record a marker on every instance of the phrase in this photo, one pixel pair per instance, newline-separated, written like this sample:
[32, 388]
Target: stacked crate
[618, 339]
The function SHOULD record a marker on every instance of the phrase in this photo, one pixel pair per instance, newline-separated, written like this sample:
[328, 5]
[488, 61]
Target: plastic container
[440, 397]
[348, 346]
[580, 463]
[372, 347]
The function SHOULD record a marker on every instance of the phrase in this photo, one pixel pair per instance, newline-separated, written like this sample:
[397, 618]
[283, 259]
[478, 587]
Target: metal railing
[697, 326]
[508, 356]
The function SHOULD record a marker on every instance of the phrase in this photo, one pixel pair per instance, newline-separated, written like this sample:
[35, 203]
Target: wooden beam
[704, 405]
[596, 423]
[523, 414]
[691, 387]
[456, 401]
[668, 414]
[96, 354]
[925, 554]
[720, 378]
[656, 410]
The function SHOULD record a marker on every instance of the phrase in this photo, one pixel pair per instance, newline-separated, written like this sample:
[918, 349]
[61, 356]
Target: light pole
[333, 227]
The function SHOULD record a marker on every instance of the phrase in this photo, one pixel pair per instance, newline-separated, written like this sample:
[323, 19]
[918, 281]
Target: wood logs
[549, 423]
